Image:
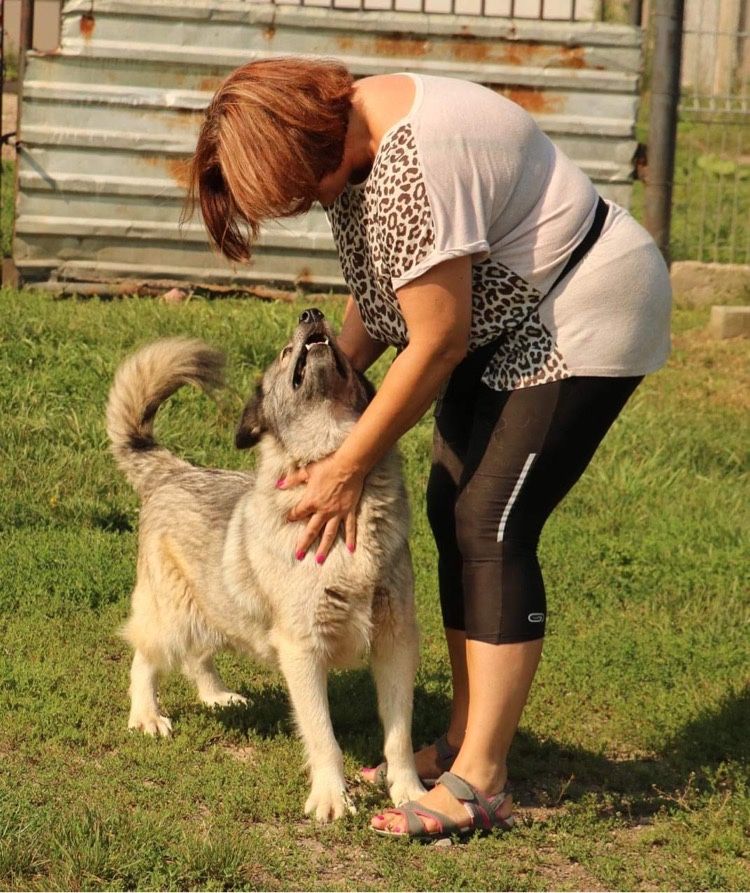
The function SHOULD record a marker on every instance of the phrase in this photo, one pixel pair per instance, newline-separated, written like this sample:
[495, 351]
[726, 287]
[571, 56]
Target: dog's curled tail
[142, 383]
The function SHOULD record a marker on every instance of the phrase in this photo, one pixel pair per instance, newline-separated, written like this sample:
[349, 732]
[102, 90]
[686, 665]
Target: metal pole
[2, 86]
[662, 129]
[26, 41]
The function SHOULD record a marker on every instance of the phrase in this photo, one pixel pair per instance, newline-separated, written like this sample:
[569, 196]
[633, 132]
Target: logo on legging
[536, 618]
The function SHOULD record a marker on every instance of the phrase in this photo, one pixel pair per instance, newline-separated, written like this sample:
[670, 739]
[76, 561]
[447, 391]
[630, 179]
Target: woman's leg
[526, 451]
[453, 423]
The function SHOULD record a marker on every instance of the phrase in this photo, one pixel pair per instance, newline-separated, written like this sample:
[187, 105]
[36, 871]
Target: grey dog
[216, 563]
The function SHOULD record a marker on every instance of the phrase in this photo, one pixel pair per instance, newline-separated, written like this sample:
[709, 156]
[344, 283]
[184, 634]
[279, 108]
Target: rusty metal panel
[109, 120]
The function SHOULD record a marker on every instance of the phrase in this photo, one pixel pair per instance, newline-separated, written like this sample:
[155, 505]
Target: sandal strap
[483, 810]
[413, 811]
[446, 753]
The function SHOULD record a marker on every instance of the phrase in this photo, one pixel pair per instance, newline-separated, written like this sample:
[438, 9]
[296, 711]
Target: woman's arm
[356, 342]
[437, 311]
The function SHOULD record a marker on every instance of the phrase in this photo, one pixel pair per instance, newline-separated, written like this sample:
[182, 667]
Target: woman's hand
[330, 499]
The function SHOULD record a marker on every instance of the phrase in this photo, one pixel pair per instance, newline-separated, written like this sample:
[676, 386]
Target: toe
[389, 821]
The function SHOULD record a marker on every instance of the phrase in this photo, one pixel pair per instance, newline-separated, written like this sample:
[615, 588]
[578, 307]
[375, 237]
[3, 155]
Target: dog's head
[309, 396]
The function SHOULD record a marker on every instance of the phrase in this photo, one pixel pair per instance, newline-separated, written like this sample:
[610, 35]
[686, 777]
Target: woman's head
[272, 131]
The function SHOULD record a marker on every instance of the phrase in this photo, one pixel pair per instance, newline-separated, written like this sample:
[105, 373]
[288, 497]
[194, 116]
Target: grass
[6, 207]
[711, 215]
[630, 768]
[10, 61]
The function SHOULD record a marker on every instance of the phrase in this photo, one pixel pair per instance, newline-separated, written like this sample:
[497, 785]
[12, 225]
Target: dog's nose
[312, 314]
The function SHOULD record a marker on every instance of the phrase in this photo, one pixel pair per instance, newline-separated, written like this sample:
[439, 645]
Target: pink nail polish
[300, 554]
[350, 547]
[320, 558]
[280, 483]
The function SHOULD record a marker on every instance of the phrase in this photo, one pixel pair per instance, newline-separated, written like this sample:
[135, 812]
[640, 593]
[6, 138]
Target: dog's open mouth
[316, 342]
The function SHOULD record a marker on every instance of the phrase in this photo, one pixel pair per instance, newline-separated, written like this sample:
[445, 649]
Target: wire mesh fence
[711, 210]
[547, 10]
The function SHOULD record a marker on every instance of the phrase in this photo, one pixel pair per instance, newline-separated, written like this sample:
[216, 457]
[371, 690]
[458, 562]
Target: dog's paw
[329, 802]
[152, 724]
[408, 788]
[224, 699]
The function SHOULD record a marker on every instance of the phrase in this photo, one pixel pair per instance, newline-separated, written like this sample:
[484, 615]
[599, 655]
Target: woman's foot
[431, 761]
[441, 800]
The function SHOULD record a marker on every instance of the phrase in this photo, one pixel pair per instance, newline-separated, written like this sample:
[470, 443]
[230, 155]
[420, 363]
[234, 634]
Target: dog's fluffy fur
[216, 564]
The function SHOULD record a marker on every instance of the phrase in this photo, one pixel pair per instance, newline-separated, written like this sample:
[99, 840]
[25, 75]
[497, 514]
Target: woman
[529, 307]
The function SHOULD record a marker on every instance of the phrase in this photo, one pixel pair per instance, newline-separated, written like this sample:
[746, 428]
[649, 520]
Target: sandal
[446, 754]
[482, 811]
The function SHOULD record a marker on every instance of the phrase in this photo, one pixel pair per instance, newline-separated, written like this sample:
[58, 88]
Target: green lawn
[631, 768]
[7, 169]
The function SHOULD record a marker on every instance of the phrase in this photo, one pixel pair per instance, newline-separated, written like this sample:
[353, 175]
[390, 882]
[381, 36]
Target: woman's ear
[252, 424]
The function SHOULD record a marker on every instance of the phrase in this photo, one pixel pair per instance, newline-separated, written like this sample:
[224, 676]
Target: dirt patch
[564, 874]
[332, 864]
[245, 753]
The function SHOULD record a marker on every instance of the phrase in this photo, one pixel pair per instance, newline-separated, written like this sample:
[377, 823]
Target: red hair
[272, 131]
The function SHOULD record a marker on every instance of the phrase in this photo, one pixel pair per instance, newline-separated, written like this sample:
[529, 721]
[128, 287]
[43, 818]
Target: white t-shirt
[468, 172]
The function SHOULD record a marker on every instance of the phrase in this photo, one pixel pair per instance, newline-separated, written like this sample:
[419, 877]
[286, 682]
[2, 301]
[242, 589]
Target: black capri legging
[502, 460]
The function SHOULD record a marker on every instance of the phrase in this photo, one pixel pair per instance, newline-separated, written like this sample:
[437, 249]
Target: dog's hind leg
[306, 677]
[395, 655]
[144, 704]
[211, 689]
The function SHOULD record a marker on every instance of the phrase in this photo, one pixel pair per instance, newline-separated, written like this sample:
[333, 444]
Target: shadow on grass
[112, 521]
[545, 773]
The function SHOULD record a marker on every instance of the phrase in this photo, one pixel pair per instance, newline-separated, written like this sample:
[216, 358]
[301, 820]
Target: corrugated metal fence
[109, 120]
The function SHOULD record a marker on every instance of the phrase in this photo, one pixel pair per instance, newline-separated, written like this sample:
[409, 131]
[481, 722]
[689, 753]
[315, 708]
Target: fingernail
[300, 554]
[280, 483]
[320, 558]
[351, 547]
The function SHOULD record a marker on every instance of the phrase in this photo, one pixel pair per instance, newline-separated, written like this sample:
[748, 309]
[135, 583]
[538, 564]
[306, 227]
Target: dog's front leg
[395, 655]
[306, 677]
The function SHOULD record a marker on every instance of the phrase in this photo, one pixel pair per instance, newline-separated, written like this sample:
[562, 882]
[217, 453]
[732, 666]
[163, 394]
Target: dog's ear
[367, 385]
[252, 422]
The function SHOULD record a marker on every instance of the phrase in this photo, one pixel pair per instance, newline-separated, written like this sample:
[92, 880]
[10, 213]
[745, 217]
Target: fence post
[662, 128]
[27, 38]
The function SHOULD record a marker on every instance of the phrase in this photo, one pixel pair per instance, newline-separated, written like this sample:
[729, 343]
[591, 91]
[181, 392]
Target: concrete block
[730, 322]
[696, 284]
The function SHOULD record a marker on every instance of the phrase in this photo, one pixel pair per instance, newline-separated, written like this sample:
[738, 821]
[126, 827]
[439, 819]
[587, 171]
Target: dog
[216, 564]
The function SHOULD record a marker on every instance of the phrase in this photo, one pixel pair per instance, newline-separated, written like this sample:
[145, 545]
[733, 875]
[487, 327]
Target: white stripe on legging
[514, 495]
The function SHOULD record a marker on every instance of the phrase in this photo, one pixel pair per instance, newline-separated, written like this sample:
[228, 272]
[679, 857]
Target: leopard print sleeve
[406, 224]
[410, 241]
